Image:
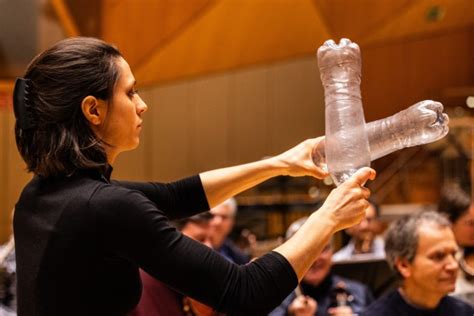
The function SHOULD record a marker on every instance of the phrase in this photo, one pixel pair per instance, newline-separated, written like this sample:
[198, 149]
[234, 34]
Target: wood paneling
[229, 119]
[415, 20]
[249, 116]
[398, 74]
[356, 19]
[210, 133]
[235, 33]
[139, 28]
[296, 110]
[4, 221]
[172, 117]
[64, 15]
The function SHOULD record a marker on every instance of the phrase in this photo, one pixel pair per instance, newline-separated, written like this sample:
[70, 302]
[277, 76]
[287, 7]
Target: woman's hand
[298, 160]
[345, 206]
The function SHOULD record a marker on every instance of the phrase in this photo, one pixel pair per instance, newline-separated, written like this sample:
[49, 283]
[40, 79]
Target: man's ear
[94, 110]
[403, 266]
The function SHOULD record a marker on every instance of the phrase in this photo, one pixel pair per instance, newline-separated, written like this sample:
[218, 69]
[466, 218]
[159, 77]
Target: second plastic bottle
[347, 146]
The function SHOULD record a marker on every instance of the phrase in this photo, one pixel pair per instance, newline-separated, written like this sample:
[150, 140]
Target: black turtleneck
[81, 239]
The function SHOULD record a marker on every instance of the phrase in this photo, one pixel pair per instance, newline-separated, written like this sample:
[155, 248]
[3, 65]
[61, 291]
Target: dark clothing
[393, 304]
[230, 251]
[81, 239]
[361, 296]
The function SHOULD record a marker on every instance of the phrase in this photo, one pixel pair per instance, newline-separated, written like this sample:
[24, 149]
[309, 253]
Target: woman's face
[123, 122]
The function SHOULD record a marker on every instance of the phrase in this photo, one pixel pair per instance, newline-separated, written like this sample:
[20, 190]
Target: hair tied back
[22, 106]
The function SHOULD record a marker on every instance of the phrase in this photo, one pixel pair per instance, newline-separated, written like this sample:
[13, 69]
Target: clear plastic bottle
[346, 137]
[421, 123]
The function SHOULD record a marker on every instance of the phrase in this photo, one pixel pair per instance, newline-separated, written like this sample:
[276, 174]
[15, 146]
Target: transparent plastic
[347, 143]
[421, 123]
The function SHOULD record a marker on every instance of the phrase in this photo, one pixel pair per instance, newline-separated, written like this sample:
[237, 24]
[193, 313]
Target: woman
[81, 237]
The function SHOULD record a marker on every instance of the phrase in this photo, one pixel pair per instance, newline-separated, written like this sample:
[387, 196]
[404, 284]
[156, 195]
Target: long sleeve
[137, 230]
[178, 199]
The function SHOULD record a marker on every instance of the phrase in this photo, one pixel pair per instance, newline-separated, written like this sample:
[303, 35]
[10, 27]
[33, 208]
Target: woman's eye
[132, 92]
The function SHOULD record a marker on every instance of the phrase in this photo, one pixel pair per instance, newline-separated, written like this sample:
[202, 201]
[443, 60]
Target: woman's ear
[94, 110]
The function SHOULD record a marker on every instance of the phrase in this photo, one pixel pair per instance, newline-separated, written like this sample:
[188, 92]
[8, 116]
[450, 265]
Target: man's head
[421, 248]
[456, 204]
[321, 267]
[197, 227]
[223, 221]
[363, 234]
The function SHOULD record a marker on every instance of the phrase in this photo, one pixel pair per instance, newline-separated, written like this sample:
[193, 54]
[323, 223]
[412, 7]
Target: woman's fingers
[362, 175]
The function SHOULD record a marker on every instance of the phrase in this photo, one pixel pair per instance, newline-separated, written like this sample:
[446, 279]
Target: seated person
[456, 204]
[321, 292]
[364, 242]
[8, 278]
[158, 299]
[8, 295]
[422, 249]
[222, 224]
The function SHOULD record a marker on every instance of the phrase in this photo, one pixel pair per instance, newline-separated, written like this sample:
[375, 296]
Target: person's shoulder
[456, 305]
[384, 305]
[111, 197]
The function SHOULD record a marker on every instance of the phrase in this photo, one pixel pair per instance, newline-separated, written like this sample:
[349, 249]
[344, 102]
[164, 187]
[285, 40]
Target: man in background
[421, 248]
[221, 226]
[321, 292]
[365, 242]
[159, 300]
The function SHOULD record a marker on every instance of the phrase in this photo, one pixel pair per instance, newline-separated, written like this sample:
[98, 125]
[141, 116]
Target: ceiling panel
[422, 18]
[140, 28]
[355, 19]
[235, 33]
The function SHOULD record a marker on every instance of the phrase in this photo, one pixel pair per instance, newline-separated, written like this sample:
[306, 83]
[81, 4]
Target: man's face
[198, 231]
[364, 233]
[434, 268]
[320, 268]
[221, 223]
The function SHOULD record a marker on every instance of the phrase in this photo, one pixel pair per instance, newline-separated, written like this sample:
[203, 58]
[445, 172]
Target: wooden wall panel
[296, 104]
[210, 135]
[13, 175]
[4, 220]
[17, 175]
[171, 117]
[249, 120]
[233, 34]
[398, 74]
[231, 118]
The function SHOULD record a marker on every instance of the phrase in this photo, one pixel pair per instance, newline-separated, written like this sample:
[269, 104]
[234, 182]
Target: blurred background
[232, 81]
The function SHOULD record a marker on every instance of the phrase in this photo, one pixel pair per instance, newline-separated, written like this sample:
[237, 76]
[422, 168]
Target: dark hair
[61, 77]
[454, 202]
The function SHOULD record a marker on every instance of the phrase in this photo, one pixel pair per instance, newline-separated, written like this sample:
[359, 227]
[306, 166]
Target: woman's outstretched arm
[221, 184]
